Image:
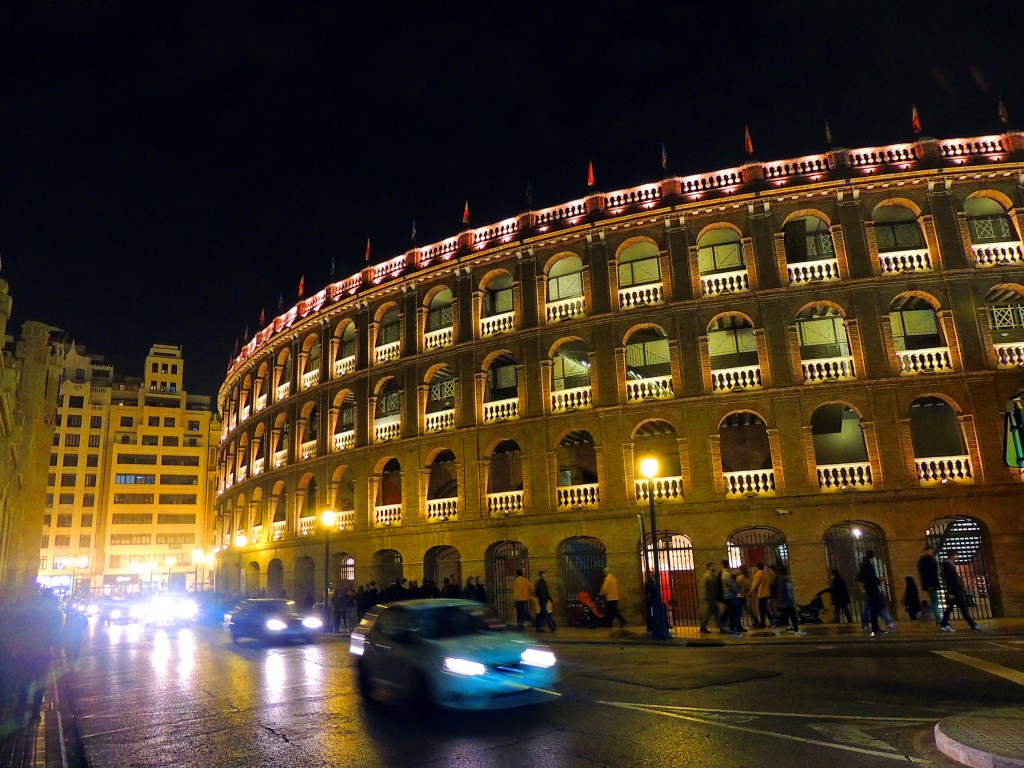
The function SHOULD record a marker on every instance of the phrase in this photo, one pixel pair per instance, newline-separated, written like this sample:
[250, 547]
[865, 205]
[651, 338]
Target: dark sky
[169, 169]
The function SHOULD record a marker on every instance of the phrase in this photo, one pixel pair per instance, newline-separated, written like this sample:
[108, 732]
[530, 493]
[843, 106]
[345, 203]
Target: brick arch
[384, 381]
[492, 356]
[382, 462]
[928, 298]
[558, 257]
[995, 196]
[808, 212]
[737, 411]
[284, 354]
[823, 303]
[718, 225]
[640, 424]
[305, 480]
[947, 399]
[339, 398]
[384, 308]
[429, 296]
[433, 370]
[636, 240]
[492, 275]
[490, 447]
[309, 341]
[307, 409]
[432, 454]
[730, 313]
[642, 327]
[341, 326]
[844, 403]
[562, 341]
[902, 202]
[1016, 288]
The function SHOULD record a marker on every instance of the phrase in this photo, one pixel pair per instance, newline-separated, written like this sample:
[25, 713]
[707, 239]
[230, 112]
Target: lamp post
[197, 558]
[79, 563]
[170, 562]
[328, 519]
[659, 615]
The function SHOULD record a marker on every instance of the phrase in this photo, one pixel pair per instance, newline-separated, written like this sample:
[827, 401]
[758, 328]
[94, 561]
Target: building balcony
[278, 528]
[344, 366]
[495, 324]
[749, 482]
[229, 481]
[668, 489]
[232, 422]
[828, 369]
[564, 309]
[1009, 355]
[641, 295]
[243, 413]
[898, 262]
[439, 510]
[257, 534]
[717, 283]
[283, 390]
[566, 400]
[656, 388]
[241, 474]
[736, 379]
[439, 421]
[310, 379]
[280, 458]
[505, 503]
[501, 410]
[387, 515]
[308, 449]
[583, 496]
[261, 403]
[307, 526]
[386, 352]
[346, 519]
[807, 272]
[936, 470]
[387, 428]
[998, 254]
[914, 361]
[839, 477]
[442, 337]
[257, 466]
[344, 441]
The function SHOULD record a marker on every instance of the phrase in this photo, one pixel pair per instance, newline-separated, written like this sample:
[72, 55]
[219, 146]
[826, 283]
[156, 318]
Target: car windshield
[273, 606]
[459, 621]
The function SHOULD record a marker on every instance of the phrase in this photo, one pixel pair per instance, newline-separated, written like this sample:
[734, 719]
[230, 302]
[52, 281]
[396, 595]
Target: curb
[980, 739]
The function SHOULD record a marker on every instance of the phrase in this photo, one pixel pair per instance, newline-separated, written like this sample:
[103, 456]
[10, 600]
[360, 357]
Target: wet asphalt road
[191, 698]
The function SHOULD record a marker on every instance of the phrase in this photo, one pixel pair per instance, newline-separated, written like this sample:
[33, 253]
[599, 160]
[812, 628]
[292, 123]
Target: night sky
[168, 170]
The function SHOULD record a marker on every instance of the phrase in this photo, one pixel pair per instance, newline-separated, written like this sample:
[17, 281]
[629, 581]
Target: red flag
[828, 133]
[747, 143]
[915, 118]
[367, 250]
[263, 317]
[302, 285]
[590, 173]
[465, 213]
[1004, 116]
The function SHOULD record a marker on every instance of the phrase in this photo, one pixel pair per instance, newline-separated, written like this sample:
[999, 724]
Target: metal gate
[505, 557]
[443, 562]
[845, 545]
[968, 539]
[678, 578]
[387, 568]
[581, 567]
[750, 546]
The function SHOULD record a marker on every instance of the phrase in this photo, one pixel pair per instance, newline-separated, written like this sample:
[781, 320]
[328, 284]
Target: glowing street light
[170, 562]
[659, 615]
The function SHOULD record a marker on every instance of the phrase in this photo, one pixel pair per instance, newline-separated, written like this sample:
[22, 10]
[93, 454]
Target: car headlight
[312, 622]
[187, 609]
[464, 667]
[357, 645]
[115, 614]
[136, 611]
[535, 657]
[276, 625]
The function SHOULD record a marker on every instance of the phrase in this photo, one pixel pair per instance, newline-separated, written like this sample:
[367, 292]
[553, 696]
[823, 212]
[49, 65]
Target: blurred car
[114, 611]
[271, 619]
[170, 609]
[453, 653]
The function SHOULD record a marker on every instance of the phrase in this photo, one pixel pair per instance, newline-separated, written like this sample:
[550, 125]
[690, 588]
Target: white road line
[806, 716]
[654, 710]
[1013, 675]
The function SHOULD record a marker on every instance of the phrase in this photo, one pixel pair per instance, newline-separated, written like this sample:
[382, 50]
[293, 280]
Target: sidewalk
[37, 742]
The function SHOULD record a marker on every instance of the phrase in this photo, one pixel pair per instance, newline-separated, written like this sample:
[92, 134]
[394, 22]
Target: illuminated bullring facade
[820, 353]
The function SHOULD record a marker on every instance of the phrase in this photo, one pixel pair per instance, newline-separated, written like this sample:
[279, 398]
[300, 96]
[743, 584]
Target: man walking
[761, 588]
[956, 594]
[522, 591]
[711, 598]
[610, 593]
[868, 576]
[733, 595]
[928, 570]
[543, 595]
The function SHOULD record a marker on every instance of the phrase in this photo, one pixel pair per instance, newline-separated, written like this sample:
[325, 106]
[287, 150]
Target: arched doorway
[440, 563]
[678, 577]
[387, 568]
[580, 564]
[275, 578]
[750, 546]
[503, 558]
[252, 579]
[305, 589]
[845, 545]
[970, 541]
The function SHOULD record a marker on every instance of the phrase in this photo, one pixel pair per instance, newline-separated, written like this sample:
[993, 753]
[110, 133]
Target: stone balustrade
[1009, 355]
[577, 496]
[749, 482]
[443, 337]
[935, 470]
[657, 388]
[665, 489]
[839, 477]
[899, 262]
[501, 410]
[387, 428]
[307, 526]
[280, 458]
[257, 466]
[308, 449]
[344, 365]
[563, 400]
[439, 510]
[283, 390]
[505, 503]
[386, 515]
[439, 421]
[818, 271]
[641, 295]
[828, 369]
[344, 441]
[564, 309]
[998, 254]
[495, 324]
[736, 281]
[278, 528]
[386, 352]
[733, 379]
[310, 378]
[931, 360]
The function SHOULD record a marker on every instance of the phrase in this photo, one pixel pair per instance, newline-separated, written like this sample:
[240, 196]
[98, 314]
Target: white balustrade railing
[1009, 355]
[503, 323]
[665, 489]
[257, 534]
[241, 474]
[280, 458]
[501, 410]
[229, 481]
[346, 519]
[505, 503]
[439, 510]
[924, 360]
[283, 390]
[344, 441]
[718, 283]
[577, 496]
[388, 514]
[344, 365]
[261, 403]
[243, 413]
[279, 527]
[914, 260]
[730, 379]
[641, 295]
[439, 421]
[995, 254]
[563, 400]
[564, 309]
[828, 369]
[307, 526]
[310, 378]
[657, 388]
[257, 466]
[308, 449]
[442, 337]
[935, 470]
[819, 271]
[387, 428]
[838, 477]
[386, 352]
[749, 482]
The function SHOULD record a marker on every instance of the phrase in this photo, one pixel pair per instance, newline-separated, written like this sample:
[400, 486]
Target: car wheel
[365, 682]
[422, 695]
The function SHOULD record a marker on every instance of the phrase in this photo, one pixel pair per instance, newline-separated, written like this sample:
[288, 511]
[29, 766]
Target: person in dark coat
[840, 594]
[912, 599]
[928, 570]
[868, 576]
[481, 593]
[543, 595]
[956, 594]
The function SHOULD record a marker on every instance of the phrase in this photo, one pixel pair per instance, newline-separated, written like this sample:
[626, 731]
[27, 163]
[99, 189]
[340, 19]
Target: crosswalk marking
[1013, 675]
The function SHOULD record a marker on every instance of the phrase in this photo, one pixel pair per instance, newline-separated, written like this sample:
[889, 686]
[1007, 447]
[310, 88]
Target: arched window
[824, 344]
[720, 250]
[840, 453]
[497, 314]
[897, 229]
[440, 407]
[565, 280]
[505, 480]
[648, 365]
[1005, 304]
[577, 481]
[746, 455]
[388, 336]
[940, 452]
[732, 348]
[807, 238]
[988, 222]
[439, 326]
[639, 264]
[917, 336]
[570, 377]
[346, 359]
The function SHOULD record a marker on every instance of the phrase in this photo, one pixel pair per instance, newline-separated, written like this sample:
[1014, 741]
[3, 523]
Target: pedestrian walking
[956, 594]
[712, 596]
[840, 594]
[337, 609]
[522, 591]
[912, 599]
[868, 576]
[733, 596]
[610, 592]
[785, 598]
[481, 592]
[761, 589]
[469, 591]
[544, 602]
[928, 570]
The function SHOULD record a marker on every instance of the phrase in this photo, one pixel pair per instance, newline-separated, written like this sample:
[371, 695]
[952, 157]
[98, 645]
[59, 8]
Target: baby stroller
[808, 614]
[591, 611]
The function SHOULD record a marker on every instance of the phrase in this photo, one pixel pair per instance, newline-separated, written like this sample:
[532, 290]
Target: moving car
[271, 619]
[112, 611]
[169, 610]
[453, 653]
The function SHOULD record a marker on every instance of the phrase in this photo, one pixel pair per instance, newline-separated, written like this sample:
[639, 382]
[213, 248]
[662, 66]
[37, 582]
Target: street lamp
[328, 519]
[170, 562]
[197, 558]
[659, 615]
